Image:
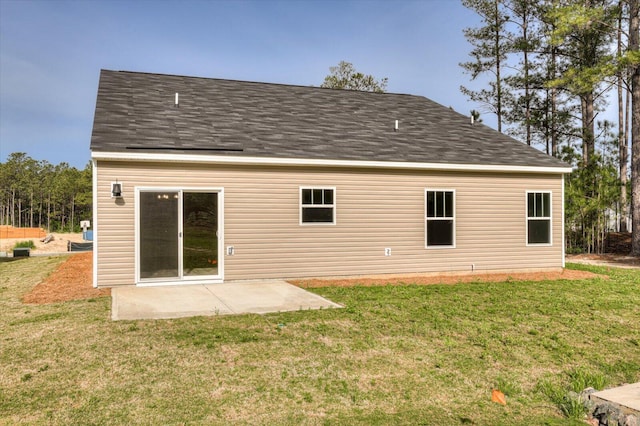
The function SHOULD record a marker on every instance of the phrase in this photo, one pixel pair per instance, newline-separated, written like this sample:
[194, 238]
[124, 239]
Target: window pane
[448, 204]
[439, 232]
[531, 202]
[431, 204]
[158, 234]
[439, 204]
[539, 231]
[306, 196]
[546, 211]
[539, 204]
[200, 227]
[317, 196]
[317, 214]
[328, 196]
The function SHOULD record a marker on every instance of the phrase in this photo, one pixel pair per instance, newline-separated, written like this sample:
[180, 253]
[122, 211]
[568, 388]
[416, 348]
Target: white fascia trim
[229, 159]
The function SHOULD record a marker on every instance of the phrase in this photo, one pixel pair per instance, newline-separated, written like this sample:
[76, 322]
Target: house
[201, 180]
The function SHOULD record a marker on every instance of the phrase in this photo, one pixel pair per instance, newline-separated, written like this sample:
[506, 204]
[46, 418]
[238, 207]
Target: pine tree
[525, 42]
[583, 31]
[490, 47]
[344, 76]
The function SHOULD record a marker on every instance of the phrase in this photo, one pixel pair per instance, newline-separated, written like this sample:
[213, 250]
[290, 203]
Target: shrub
[25, 244]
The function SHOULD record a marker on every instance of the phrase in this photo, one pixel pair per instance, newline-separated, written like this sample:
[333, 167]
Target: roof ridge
[262, 83]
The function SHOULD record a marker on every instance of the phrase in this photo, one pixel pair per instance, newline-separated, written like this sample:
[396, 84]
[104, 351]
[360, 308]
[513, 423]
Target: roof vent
[395, 128]
[472, 119]
[176, 102]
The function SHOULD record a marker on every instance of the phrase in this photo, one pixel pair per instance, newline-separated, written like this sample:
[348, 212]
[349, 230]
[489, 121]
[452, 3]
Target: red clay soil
[71, 281]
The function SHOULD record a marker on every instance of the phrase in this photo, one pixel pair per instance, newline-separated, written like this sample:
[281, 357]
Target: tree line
[39, 194]
[551, 65]
[549, 69]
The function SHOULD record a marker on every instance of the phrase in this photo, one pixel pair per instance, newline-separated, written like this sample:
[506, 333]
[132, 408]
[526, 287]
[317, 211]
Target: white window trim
[334, 206]
[439, 247]
[527, 219]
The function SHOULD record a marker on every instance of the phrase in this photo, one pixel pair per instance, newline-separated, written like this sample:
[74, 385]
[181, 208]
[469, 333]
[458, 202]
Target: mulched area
[566, 274]
[72, 280]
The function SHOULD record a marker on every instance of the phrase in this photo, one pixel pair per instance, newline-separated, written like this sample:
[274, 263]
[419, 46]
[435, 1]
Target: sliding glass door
[200, 228]
[178, 235]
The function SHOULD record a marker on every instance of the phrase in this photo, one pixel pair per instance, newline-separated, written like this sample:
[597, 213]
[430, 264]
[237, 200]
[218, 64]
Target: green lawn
[394, 355]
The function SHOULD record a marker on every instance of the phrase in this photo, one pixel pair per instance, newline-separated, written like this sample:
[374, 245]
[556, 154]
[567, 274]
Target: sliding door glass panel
[159, 234]
[200, 228]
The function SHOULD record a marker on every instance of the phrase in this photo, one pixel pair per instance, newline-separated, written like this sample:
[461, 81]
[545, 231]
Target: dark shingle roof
[135, 112]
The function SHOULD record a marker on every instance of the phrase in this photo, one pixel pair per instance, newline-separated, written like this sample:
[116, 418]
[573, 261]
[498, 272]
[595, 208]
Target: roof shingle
[136, 112]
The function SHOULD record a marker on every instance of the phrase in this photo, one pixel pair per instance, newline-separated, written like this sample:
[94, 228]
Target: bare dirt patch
[57, 245]
[70, 281]
[566, 274]
[613, 260]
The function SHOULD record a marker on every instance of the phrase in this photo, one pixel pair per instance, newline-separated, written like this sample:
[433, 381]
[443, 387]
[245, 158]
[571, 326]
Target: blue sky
[51, 53]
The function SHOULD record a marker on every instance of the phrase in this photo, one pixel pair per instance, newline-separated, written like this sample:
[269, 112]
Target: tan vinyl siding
[376, 209]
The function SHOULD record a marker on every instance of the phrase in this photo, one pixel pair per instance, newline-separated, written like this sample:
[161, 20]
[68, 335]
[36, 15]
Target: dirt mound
[618, 243]
[71, 281]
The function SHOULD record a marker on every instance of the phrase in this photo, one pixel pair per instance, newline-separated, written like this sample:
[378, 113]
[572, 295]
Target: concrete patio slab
[164, 302]
[131, 303]
[268, 296]
[626, 397]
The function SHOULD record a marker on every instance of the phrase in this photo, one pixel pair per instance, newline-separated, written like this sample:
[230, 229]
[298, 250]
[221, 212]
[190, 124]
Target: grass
[393, 355]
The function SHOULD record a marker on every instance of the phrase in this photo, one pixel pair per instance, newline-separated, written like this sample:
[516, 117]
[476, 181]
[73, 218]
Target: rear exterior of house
[220, 180]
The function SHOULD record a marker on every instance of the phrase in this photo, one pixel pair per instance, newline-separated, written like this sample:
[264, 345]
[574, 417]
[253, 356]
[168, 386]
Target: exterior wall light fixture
[116, 189]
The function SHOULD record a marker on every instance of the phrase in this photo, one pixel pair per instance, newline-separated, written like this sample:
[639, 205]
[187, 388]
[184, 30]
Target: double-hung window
[317, 205]
[538, 217]
[440, 218]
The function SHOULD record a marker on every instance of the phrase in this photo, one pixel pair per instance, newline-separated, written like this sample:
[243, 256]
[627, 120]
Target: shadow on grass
[11, 259]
